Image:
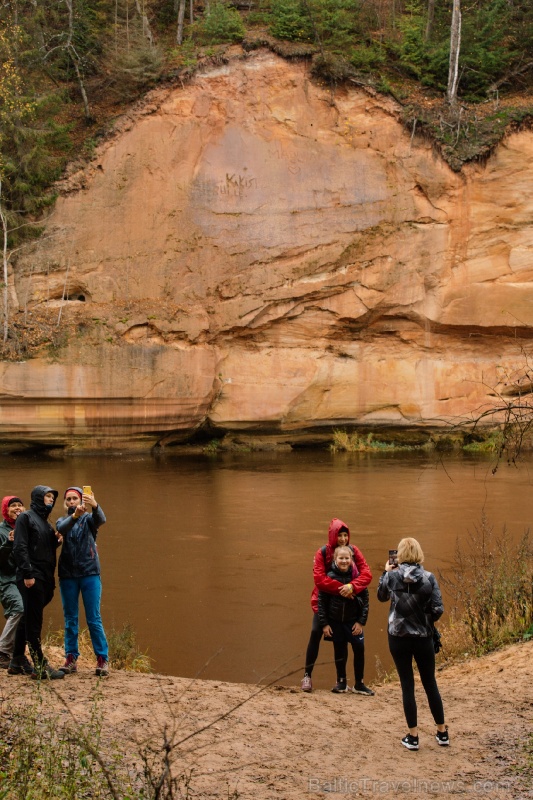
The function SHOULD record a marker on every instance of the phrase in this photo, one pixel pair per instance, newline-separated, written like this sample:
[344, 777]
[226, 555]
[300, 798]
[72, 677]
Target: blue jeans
[91, 593]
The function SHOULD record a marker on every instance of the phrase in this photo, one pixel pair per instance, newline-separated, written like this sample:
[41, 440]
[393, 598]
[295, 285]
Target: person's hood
[410, 573]
[37, 500]
[334, 527]
[5, 504]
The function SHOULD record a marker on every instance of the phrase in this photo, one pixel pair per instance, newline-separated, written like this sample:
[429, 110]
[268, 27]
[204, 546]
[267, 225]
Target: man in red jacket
[338, 535]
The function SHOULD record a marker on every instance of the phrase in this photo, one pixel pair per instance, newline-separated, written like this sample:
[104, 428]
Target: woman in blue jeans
[79, 572]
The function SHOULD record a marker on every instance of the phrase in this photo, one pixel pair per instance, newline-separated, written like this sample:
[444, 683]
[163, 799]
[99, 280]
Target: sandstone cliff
[266, 257]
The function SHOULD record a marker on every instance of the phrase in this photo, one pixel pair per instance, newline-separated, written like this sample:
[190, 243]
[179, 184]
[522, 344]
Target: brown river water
[210, 558]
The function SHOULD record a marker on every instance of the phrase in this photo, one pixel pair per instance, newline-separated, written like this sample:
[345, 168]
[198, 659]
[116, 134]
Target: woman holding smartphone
[415, 604]
[79, 573]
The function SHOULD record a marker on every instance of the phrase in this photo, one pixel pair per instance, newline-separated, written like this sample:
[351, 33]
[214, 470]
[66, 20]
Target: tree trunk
[181, 17]
[71, 50]
[147, 31]
[3, 223]
[455, 47]
[430, 20]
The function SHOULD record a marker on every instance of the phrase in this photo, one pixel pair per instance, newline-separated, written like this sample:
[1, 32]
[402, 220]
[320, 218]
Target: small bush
[291, 21]
[492, 589]
[354, 443]
[221, 23]
[124, 652]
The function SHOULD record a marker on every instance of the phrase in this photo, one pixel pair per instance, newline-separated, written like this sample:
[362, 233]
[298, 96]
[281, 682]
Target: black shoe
[20, 666]
[44, 672]
[360, 688]
[5, 660]
[340, 687]
[443, 738]
[411, 742]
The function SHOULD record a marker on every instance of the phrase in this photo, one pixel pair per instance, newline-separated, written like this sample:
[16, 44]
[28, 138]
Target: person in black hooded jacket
[34, 553]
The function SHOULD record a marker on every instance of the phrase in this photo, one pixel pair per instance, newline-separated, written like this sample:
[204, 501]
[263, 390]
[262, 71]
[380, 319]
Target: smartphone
[393, 558]
[87, 490]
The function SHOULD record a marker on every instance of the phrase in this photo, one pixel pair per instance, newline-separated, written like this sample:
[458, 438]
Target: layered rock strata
[322, 268]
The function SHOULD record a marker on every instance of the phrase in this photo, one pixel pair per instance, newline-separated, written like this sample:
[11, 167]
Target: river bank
[280, 743]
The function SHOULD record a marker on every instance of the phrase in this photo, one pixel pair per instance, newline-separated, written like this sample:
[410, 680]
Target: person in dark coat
[34, 552]
[415, 604]
[343, 619]
[10, 597]
[79, 573]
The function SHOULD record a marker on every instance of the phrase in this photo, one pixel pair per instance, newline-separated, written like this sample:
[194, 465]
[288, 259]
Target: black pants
[313, 646]
[342, 636]
[403, 649]
[30, 626]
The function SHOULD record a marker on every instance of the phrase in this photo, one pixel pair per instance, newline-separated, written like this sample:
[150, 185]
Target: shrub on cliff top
[221, 23]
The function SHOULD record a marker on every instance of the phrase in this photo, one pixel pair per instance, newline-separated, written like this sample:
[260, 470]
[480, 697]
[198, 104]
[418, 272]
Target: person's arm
[383, 588]
[365, 575]
[323, 607]
[436, 604]
[98, 517]
[363, 598]
[65, 524]
[322, 582]
[21, 552]
[6, 549]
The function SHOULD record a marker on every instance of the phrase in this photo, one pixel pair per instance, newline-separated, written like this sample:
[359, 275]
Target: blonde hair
[342, 547]
[410, 552]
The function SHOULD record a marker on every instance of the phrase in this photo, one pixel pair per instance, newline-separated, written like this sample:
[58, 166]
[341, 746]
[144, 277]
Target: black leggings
[403, 649]
[340, 649]
[313, 646]
[340, 653]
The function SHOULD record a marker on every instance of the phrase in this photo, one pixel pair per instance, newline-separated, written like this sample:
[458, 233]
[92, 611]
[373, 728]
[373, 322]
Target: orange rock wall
[326, 269]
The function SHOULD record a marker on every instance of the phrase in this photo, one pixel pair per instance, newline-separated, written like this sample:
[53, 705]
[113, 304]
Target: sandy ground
[281, 743]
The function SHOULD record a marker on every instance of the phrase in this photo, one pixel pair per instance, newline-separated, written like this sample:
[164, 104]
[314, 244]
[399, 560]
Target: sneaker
[443, 738]
[360, 688]
[20, 666]
[70, 665]
[340, 687]
[411, 742]
[5, 660]
[44, 672]
[102, 667]
[306, 684]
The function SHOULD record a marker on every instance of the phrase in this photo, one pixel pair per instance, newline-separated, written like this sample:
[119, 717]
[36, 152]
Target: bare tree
[147, 31]
[181, 17]
[430, 20]
[74, 57]
[455, 47]
[5, 232]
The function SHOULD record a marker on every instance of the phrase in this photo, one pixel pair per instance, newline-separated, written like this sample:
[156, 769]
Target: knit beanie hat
[74, 489]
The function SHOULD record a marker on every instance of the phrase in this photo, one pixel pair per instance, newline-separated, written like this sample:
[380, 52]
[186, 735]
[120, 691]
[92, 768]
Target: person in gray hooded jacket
[415, 604]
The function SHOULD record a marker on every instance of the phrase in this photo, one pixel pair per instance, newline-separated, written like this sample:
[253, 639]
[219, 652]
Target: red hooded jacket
[5, 503]
[322, 565]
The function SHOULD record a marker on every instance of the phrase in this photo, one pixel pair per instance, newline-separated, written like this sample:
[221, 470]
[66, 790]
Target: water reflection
[259, 518]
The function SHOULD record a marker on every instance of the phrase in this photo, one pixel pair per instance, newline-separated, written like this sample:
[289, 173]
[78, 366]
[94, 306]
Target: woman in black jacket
[342, 619]
[34, 553]
[415, 604]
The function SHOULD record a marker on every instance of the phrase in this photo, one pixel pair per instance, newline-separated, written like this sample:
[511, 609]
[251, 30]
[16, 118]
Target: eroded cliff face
[310, 264]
